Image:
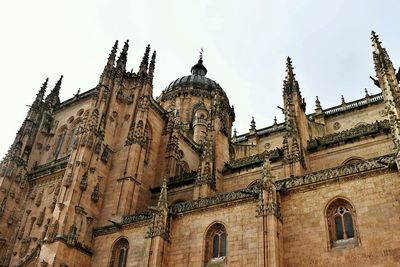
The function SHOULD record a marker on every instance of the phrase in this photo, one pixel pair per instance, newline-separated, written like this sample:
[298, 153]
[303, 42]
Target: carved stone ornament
[52, 231]
[350, 134]
[336, 125]
[96, 193]
[382, 162]
[72, 235]
[84, 182]
[39, 198]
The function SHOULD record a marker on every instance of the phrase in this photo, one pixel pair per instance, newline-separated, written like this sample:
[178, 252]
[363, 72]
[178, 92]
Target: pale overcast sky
[245, 48]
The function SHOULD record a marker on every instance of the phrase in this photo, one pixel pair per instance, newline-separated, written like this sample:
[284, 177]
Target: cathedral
[116, 177]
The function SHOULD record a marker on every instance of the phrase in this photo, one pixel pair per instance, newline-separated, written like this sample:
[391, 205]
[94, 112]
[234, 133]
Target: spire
[290, 84]
[382, 61]
[145, 60]
[152, 64]
[121, 62]
[40, 95]
[111, 57]
[199, 68]
[53, 99]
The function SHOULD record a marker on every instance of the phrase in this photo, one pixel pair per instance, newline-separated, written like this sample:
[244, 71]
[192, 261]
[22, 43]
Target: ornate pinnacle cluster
[145, 61]
[290, 84]
[121, 62]
[152, 64]
[113, 53]
[40, 95]
[53, 99]
[381, 58]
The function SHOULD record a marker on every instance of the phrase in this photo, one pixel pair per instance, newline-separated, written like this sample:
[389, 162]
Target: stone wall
[375, 199]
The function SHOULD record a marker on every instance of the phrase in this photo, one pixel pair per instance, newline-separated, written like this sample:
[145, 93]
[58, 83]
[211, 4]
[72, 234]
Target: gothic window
[216, 245]
[119, 253]
[341, 224]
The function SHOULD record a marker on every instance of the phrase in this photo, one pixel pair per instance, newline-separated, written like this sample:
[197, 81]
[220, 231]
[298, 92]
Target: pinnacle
[152, 63]
[114, 49]
[374, 36]
[53, 99]
[121, 62]
[145, 60]
[375, 40]
[59, 81]
[289, 65]
[153, 57]
[289, 70]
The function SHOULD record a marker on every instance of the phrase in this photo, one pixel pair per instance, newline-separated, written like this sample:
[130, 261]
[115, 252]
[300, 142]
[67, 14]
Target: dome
[197, 80]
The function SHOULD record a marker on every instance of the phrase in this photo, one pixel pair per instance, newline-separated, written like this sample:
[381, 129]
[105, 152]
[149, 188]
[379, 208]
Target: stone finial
[145, 60]
[343, 102]
[121, 62]
[289, 67]
[318, 108]
[42, 91]
[112, 55]
[275, 121]
[366, 93]
[252, 124]
[152, 64]
[53, 99]
[290, 84]
[40, 95]
[375, 40]
[234, 132]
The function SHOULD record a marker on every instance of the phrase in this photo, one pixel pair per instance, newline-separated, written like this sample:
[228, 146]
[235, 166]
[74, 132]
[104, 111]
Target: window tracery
[216, 245]
[341, 224]
[119, 253]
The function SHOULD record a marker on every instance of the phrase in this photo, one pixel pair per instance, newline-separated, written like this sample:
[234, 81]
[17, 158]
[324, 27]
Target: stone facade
[116, 177]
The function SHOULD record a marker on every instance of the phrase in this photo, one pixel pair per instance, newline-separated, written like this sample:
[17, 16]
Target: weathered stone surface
[87, 179]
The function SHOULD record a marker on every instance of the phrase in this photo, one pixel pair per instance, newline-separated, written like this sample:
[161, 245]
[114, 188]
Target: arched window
[216, 245]
[341, 224]
[119, 253]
